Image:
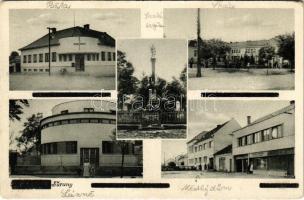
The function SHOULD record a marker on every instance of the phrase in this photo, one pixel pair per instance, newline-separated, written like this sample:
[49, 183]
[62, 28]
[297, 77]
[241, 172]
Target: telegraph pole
[49, 50]
[199, 73]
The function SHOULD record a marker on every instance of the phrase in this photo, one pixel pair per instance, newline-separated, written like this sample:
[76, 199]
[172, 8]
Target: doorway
[79, 62]
[90, 154]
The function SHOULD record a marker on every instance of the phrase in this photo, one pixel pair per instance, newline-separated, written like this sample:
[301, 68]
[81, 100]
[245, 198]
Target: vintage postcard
[151, 99]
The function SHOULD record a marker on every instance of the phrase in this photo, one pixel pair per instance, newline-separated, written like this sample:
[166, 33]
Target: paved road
[254, 79]
[60, 82]
[200, 174]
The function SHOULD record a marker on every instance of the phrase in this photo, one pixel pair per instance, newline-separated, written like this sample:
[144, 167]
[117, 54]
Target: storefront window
[260, 163]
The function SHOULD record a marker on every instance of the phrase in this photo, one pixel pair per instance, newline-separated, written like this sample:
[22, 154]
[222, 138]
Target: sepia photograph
[69, 139]
[236, 49]
[152, 88]
[234, 139]
[67, 49]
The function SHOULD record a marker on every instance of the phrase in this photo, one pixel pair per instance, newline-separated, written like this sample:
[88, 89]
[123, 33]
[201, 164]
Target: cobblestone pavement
[171, 133]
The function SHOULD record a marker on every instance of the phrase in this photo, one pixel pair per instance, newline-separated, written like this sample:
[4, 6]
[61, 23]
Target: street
[241, 79]
[60, 82]
[206, 174]
[150, 134]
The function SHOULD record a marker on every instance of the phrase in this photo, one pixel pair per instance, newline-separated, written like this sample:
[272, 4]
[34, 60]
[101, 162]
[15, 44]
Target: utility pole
[199, 73]
[53, 30]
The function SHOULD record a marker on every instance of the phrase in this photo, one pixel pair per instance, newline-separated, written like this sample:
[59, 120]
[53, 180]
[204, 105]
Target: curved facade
[79, 131]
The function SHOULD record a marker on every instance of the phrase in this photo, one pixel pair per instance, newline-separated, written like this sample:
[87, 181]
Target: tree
[13, 55]
[123, 145]
[266, 54]
[127, 83]
[30, 135]
[16, 108]
[287, 47]
[172, 164]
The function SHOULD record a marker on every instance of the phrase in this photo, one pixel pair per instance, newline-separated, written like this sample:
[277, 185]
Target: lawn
[241, 79]
[60, 82]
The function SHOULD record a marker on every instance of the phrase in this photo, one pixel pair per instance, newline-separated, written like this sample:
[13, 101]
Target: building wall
[287, 141]
[70, 46]
[227, 157]
[79, 105]
[222, 137]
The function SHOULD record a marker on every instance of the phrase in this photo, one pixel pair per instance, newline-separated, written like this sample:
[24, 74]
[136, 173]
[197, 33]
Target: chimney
[248, 120]
[86, 26]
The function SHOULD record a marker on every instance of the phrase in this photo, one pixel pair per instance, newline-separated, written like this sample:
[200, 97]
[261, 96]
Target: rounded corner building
[84, 130]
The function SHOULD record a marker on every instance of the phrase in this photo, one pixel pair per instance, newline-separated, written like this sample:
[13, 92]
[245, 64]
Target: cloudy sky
[27, 25]
[171, 56]
[206, 115]
[229, 24]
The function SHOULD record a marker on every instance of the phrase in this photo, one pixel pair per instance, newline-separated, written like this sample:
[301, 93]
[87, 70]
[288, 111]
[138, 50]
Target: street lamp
[53, 31]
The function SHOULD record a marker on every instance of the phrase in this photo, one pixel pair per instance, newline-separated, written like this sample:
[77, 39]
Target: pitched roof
[207, 134]
[253, 43]
[103, 37]
[278, 112]
[227, 149]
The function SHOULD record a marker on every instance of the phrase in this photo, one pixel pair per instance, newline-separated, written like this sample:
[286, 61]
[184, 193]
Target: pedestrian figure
[86, 168]
[92, 171]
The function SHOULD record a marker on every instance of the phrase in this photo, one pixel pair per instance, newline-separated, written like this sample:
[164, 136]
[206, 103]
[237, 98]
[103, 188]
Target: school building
[76, 50]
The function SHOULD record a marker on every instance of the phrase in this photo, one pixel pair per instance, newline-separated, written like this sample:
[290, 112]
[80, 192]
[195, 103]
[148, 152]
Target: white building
[73, 50]
[267, 143]
[83, 130]
[201, 148]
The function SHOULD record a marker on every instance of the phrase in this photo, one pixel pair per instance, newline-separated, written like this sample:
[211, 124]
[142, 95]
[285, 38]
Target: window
[60, 57]
[195, 160]
[35, 58]
[205, 159]
[200, 147]
[57, 123]
[195, 53]
[107, 147]
[24, 70]
[88, 109]
[64, 111]
[244, 141]
[64, 57]
[249, 139]
[70, 57]
[35, 70]
[74, 121]
[64, 122]
[24, 59]
[41, 57]
[29, 58]
[46, 70]
[103, 56]
[29, 70]
[114, 57]
[109, 56]
[41, 70]
[46, 57]
[200, 160]
[89, 57]
[210, 144]
[54, 57]
[84, 121]
[93, 57]
[240, 142]
[71, 147]
[205, 146]
[93, 120]
[195, 149]
[257, 137]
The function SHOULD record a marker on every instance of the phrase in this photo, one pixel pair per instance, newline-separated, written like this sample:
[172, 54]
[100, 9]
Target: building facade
[239, 50]
[201, 148]
[73, 50]
[82, 131]
[267, 144]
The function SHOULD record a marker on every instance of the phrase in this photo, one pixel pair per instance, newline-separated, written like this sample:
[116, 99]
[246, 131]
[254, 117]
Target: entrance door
[222, 161]
[79, 62]
[210, 163]
[90, 154]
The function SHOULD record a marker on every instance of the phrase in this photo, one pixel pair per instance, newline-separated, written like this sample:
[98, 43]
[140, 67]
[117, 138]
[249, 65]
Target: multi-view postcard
[151, 100]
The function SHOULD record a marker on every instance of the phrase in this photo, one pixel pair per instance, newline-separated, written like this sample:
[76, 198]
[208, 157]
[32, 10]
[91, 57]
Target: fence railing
[144, 117]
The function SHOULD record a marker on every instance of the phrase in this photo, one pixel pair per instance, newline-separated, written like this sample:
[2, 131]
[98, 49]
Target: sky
[171, 56]
[230, 25]
[206, 115]
[28, 25]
